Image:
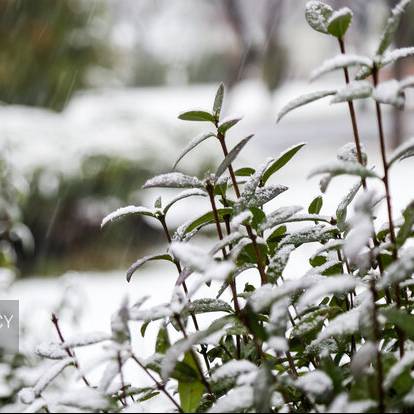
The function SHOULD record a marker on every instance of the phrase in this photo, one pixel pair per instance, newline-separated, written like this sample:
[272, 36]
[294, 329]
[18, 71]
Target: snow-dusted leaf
[331, 285]
[315, 383]
[205, 219]
[253, 182]
[218, 100]
[339, 62]
[51, 350]
[319, 233]
[401, 366]
[344, 168]
[238, 400]
[406, 229]
[401, 319]
[334, 244]
[185, 194]
[282, 160]
[303, 100]
[231, 156]
[197, 115]
[397, 54]
[233, 369]
[391, 26]
[265, 194]
[390, 93]
[339, 22]
[400, 270]
[51, 374]
[126, 211]
[230, 239]
[192, 256]
[209, 305]
[279, 261]
[405, 150]
[364, 357]
[140, 262]
[354, 90]
[341, 211]
[88, 398]
[85, 339]
[317, 15]
[226, 124]
[279, 216]
[191, 145]
[342, 404]
[173, 180]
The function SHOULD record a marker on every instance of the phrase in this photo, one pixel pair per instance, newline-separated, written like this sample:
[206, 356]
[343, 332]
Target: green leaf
[208, 218]
[232, 155]
[406, 230]
[207, 305]
[316, 205]
[405, 150]
[303, 100]
[197, 116]
[191, 145]
[283, 159]
[218, 101]
[163, 340]
[244, 172]
[226, 125]
[339, 22]
[317, 15]
[190, 392]
[144, 260]
[126, 211]
[401, 319]
[341, 211]
[391, 26]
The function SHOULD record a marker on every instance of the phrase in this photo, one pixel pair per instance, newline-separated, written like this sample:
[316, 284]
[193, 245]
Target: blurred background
[90, 92]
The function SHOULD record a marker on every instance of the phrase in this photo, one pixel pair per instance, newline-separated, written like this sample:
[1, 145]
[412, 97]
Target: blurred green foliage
[46, 49]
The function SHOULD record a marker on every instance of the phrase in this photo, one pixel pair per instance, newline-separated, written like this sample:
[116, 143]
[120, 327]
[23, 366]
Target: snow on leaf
[391, 26]
[51, 350]
[344, 167]
[400, 270]
[85, 339]
[218, 100]
[317, 15]
[328, 246]
[51, 374]
[173, 180]
[152, 314]
[303, 100]
[363, 358]
[390, 93]
[328, 265]
[36, 406]
[348, 152]
[353, 90]
[339, 62]
[279, 216]
[232, 238]
[341, 211]
[126, 211]
[278, 317]
[342, 404]
[226, 124]
[182, 195]
[405, 150]
[191, 145]
[319, 233]
[265, 194]
[140, 262]
[394, 55]
[279, 261]
[237, 400]
[316, 383]
[278, 344]
[339, 22]
[86, 399]
[209, 305]
[192, 256]
[231, 156]
[331, 285]
[407, 361]
[232, 369]
[253, 182]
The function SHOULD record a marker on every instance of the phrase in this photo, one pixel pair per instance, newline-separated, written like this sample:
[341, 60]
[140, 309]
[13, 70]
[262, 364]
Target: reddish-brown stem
[70, 353]
[159, 385]
[353, 116]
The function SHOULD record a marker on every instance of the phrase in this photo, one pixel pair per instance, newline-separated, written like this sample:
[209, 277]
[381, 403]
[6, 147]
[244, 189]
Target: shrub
[338, 339]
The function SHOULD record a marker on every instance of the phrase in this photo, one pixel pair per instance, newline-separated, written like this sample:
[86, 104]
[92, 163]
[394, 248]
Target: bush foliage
[337, 339]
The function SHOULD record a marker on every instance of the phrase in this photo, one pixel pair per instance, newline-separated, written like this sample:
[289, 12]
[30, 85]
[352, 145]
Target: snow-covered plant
[338, 338]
